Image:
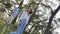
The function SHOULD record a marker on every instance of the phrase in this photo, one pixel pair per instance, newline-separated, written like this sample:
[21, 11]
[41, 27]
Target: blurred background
[45, 20]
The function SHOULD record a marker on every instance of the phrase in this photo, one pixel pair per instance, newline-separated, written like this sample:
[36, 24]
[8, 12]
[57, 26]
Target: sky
[58, 14]
[25, 1]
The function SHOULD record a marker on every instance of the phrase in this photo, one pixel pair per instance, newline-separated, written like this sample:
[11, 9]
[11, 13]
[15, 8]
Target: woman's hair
[31, 10]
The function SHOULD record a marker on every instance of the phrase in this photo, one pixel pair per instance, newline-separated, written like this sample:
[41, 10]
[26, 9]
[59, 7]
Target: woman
[23, 20]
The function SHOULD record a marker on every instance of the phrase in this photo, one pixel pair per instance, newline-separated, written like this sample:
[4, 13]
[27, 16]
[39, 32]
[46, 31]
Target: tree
[50, 20]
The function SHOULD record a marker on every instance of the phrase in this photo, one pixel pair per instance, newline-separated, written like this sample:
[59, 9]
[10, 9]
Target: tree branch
[47, 31]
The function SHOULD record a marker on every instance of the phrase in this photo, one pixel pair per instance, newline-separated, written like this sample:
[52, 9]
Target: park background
[46, 18]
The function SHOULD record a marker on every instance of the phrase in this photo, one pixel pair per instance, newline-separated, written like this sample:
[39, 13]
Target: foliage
[2, 10]
[7, 5]
[2, 1]
[39, 21]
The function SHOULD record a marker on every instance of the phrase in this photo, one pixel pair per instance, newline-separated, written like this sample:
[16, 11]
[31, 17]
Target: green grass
[5, 29]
